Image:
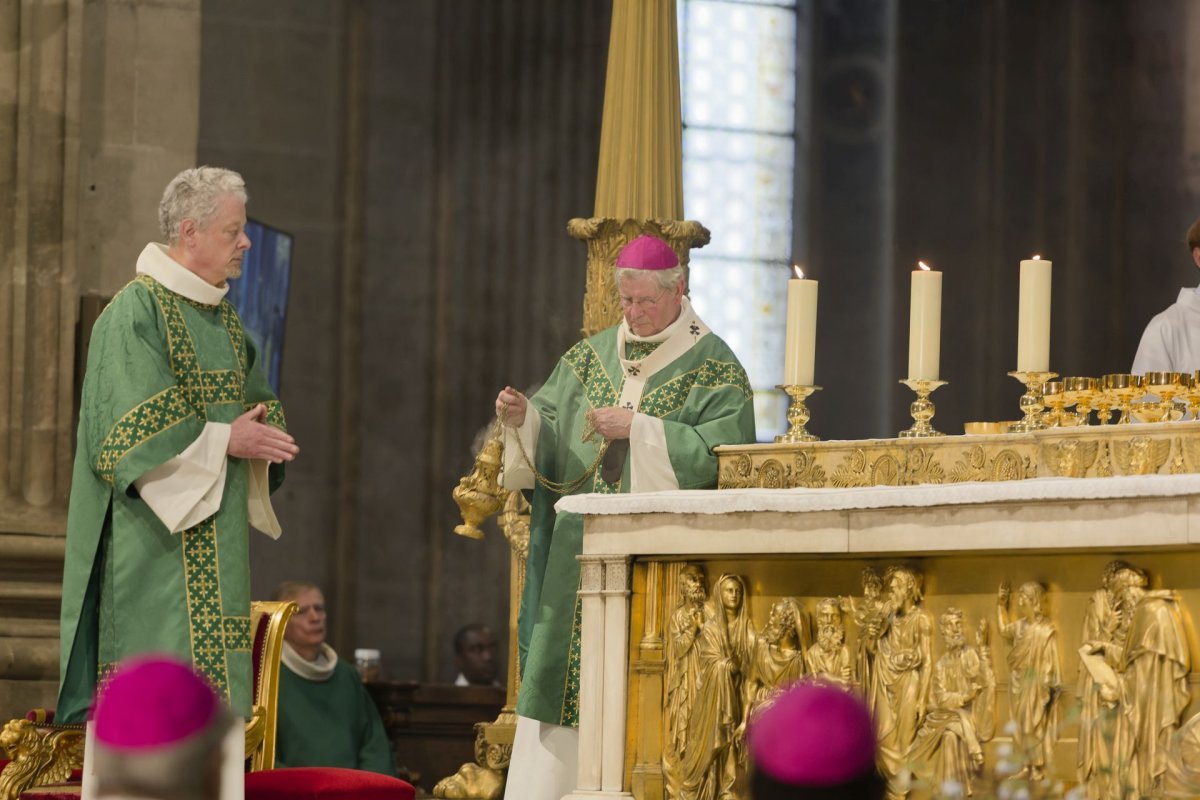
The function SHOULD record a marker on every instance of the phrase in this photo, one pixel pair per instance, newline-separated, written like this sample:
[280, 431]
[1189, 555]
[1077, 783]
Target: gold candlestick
[1032, 400]
[922, 409]
[798, 414]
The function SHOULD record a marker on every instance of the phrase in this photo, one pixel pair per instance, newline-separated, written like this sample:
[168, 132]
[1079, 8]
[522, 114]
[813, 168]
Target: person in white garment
[1171, 342]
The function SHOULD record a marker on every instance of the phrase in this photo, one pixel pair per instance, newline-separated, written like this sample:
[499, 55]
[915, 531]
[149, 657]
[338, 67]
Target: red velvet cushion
[324, 783]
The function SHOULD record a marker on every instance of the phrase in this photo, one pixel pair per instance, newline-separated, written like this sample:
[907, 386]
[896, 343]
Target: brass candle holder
[797, 414]
[1081, 393]
[1032, 402]
[922, 409]
[1122, 389]
[1055, 398]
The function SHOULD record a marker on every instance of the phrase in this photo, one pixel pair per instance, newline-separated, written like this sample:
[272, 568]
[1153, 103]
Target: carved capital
[591, 575]
[605, 236]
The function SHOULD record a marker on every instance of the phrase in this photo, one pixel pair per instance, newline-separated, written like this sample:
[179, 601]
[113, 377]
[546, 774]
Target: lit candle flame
[799, 272]
[923, 265]
[1036, 257]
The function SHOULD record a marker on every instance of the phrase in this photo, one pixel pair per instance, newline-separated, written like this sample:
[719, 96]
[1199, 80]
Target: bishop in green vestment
[180, 443]
[660, 387]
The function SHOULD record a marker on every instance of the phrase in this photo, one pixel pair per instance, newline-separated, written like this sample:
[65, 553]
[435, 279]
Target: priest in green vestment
[326, 717]
[181, 442]
[663, 391]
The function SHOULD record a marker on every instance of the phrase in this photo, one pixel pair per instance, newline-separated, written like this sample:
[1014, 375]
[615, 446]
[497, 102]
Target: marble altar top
[1134, 512]
[729, 501]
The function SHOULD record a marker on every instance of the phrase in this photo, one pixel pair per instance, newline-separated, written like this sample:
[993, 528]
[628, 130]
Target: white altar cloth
[923, 496]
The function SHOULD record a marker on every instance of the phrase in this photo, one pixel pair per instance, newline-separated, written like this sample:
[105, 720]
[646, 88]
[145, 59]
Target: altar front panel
[962, 552]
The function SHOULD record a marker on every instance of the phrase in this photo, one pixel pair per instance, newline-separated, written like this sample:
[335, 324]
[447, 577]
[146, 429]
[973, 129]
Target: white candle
[1033, 326]
[800, 346]
[925, 324]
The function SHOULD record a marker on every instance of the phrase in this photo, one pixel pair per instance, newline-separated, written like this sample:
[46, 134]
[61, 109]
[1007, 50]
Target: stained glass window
[738, 84]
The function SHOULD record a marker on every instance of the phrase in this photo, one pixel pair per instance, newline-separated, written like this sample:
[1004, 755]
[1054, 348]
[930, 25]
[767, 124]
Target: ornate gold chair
[268, 620]
[41, 752]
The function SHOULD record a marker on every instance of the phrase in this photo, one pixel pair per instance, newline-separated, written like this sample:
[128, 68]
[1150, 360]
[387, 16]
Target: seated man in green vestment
[180, 443]
[326, 717]
[662, 391]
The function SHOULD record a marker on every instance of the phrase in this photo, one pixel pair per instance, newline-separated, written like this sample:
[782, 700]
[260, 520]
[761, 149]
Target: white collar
[155, 262]
[675, 340]
[320, 669]
[685, 316]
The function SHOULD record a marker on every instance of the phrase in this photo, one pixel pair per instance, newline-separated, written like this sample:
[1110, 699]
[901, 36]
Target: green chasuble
[160, 366]
[330, 723]
[704, 400]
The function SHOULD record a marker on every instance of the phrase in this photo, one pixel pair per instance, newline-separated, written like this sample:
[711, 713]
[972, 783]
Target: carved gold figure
[962, 714]
[1098, 716]
[37, 756]
[1035, 678]
[682, 670]
[828, 658]
[869, 615]
[1154, 687]
[902, 669]
[716, 724]
[1182, 778]
[471, 781]
[779, 655]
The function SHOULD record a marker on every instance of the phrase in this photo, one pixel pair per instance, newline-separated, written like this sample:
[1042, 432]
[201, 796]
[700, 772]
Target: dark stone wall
[1019, 127]
[481, 132]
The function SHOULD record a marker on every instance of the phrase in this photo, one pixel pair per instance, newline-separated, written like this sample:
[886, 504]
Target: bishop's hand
[612, 422]
[511, 406]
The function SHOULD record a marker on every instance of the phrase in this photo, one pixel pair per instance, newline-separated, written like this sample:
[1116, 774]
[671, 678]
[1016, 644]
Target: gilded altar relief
[1073, 452]
[1035, 686]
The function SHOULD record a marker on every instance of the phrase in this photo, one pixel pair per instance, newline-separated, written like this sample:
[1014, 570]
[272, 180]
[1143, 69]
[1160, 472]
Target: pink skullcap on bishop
[647, 252]
[152, 702]
[813, 735]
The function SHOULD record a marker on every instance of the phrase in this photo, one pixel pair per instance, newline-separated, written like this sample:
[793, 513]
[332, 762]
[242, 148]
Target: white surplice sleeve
[650, 467]
[187, 489]
[1154, 350]
[258, 499]
[517, 474]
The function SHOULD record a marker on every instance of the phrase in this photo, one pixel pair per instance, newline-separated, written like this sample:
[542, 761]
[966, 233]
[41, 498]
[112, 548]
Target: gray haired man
[181, 442]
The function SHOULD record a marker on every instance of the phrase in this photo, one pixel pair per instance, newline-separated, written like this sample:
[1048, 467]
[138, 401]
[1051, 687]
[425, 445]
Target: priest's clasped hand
[251, 437]
[511, 406]
[612, 422]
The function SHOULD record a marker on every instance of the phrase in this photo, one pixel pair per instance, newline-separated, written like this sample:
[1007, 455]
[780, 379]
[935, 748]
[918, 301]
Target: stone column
[603, 680]
[40, 48]
[98, 110]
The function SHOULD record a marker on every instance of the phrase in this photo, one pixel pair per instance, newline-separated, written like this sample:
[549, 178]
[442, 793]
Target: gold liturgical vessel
[479, 495]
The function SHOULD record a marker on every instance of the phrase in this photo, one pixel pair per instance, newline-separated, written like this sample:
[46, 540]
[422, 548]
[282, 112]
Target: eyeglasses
[644, 303]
